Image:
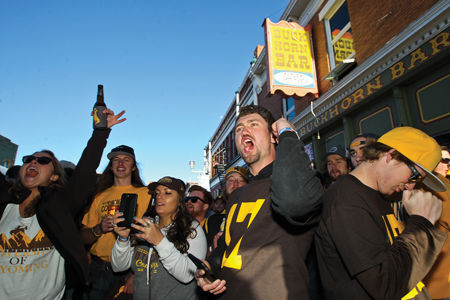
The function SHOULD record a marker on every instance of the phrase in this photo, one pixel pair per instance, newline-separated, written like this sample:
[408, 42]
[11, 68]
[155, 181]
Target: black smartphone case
[200, 265]
[128, 205]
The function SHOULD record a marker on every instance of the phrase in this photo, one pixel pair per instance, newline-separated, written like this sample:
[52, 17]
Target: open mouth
[32, 172]
[248, 144]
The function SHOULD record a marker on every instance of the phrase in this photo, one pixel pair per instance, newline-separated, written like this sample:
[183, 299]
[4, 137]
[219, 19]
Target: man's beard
[251, 158]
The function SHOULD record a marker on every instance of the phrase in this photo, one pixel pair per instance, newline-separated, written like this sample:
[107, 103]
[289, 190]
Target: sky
[173, 66]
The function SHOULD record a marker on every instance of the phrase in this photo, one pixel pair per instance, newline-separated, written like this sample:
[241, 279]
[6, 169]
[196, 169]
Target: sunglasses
[416, 176]
[445, 161]
[42, 160]
[193, 199]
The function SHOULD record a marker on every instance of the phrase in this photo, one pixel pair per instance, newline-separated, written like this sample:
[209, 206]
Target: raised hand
[425, 204]
[114, 119]
[149, 231]
[280, 124]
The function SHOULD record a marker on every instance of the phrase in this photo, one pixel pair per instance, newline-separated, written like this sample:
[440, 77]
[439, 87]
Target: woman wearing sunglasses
[158, 253]
[37, 222]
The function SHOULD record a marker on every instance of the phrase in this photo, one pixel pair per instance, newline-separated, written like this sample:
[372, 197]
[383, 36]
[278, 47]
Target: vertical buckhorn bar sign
[290, 58]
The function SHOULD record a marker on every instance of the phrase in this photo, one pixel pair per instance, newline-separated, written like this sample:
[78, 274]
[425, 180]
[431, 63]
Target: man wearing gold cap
[363, 251]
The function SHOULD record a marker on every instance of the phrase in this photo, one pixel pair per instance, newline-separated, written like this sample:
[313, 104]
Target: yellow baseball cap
[419, 148]
[240, 170]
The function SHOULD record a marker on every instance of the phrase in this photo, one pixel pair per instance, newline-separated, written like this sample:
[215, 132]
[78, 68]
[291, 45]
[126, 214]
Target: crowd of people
[374, 227]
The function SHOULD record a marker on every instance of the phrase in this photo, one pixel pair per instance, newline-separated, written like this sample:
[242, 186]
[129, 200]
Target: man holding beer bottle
[120, 176]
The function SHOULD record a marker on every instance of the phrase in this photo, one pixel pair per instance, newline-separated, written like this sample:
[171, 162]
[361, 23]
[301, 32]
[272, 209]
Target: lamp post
[201, 177]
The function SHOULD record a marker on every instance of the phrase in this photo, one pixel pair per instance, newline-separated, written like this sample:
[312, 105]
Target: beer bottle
[100, 118]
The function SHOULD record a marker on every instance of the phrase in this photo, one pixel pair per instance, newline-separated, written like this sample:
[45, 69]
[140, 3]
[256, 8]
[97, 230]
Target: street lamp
[202, 177]
[192, 165]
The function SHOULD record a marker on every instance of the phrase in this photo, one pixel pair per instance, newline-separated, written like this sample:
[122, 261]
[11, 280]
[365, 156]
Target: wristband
[95, 233]
[122, 239]
[288, 129]
[285, 129]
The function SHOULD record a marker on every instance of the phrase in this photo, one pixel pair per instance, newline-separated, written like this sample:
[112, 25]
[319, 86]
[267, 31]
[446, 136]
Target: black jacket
[269, 229]
[57, 208]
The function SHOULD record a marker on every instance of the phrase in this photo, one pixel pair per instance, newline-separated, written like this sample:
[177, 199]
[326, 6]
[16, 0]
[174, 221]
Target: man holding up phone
[120, 176]
[270, 221]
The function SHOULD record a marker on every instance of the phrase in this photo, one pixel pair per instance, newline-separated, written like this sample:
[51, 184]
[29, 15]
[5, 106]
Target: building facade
[8, 151]
[378, 65]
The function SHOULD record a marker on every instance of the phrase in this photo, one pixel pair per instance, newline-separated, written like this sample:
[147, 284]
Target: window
[339, 34]
[289, 108]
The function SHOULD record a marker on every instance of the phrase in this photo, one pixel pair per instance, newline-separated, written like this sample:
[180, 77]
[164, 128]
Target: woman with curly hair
[158, 257]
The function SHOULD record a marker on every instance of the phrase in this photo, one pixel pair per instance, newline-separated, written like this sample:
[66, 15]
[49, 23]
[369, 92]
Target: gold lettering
[140, 263]
[334, 112]
[417, 56]
[439, 42]
[371, 87]
[234, 259]
[397, 70]
[358, 95]
[323, 117]
[13, 268]
[346, 103]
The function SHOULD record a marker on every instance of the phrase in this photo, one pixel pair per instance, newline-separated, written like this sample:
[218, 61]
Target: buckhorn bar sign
[290, 58]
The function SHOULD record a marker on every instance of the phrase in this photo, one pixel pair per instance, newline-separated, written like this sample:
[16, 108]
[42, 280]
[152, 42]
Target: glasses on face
[416, 176]
[445, 161]
[42, 160]
[193, 199]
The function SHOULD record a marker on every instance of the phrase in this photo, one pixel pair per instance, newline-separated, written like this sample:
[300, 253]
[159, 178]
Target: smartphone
[201, 265]
[128, 205]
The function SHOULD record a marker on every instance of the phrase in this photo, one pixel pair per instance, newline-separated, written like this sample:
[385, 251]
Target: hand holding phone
[128, 205]
[201, 265]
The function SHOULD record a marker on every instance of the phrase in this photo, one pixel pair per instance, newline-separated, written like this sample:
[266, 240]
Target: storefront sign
[409, 62]
[343, 48]
[290, 59]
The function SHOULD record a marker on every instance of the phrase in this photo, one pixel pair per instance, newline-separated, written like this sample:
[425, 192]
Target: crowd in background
[374, 226]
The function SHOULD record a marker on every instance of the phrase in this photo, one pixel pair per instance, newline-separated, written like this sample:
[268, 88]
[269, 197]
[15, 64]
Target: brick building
[378, 65]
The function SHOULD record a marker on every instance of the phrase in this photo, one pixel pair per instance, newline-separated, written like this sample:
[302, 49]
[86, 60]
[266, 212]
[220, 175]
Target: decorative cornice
[415, 34]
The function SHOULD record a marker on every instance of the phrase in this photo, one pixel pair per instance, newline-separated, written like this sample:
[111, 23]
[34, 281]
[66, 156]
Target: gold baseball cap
[419, 148]
[240, 170]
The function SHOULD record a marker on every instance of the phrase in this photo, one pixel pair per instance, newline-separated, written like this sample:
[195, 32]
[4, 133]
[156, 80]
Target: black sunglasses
[445, 161]
[42, 160]
[193, 199]
[416, 176]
